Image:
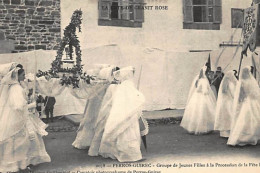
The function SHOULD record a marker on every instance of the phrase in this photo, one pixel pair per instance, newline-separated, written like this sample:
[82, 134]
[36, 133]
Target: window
[257, 1]
[202, 14]
[125, 13]
[237, 18]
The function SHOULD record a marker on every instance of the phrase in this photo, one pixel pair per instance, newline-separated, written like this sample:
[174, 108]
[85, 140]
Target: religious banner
[250, 28]
[256, 65]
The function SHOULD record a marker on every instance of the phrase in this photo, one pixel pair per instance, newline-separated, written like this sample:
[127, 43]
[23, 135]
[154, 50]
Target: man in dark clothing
[218, 78]
[208, 68]
[49, 106]
[39, 102]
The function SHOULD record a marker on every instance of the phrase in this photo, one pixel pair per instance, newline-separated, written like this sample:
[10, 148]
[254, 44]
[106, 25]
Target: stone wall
[32, 24]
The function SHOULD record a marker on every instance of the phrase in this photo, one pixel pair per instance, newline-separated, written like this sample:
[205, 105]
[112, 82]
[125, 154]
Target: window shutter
[138, 14]
[187, 11]
[217, 11]
[120, 11]
[104, 9]
[125, 12]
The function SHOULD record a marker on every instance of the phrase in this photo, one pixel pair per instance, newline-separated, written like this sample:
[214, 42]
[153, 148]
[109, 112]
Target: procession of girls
[115, 131]
[235, 112]
[113, 124]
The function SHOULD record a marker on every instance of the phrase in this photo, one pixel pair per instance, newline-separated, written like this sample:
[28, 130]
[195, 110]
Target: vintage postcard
[129, 86]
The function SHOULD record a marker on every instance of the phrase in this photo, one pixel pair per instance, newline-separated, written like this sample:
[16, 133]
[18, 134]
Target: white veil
[8, 125]
[127, 104]
[224, 109]
[226, 89]
[126, 73]
[202, 74]
[5, 68]
[107, 73]
[9, 79]
[228, 80]
[247, 87]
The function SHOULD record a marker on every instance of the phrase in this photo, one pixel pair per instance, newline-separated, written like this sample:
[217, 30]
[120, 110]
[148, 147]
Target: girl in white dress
[91, 127]
[245, 128]
[21, 141]
[111, 128]
[199, 113]
[224, 110]
[121, 139]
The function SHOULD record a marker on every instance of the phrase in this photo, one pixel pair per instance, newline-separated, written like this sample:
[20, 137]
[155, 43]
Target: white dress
[121, 139]
[92, 125]
[245, 127]
[21, 142]
[111, 128]
[199, 114]
[97, 109]
[224, 110]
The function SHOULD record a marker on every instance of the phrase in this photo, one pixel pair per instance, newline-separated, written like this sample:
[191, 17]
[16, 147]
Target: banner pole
[34, 85]
[239, 68]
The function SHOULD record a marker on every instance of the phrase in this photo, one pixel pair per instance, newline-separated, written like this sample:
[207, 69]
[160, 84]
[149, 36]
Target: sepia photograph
[129, 86]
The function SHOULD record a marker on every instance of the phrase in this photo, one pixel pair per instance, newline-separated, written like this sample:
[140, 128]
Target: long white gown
[91, 127]
[21, 141]
[224, 110]
[121, 139]
[111, 128]
[245, 128]
[199, 114]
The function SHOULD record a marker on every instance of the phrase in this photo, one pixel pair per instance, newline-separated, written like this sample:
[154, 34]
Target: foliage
[71, 40]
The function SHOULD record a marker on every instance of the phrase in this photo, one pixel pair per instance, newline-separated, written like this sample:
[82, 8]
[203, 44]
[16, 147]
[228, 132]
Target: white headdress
[228, 79]
[11, 77]
[5, 68]
[202, 74]
[106, 73]
[124, 73]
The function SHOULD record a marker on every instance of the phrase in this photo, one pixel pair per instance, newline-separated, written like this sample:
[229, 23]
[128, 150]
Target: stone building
[29, 25]
[186, 25]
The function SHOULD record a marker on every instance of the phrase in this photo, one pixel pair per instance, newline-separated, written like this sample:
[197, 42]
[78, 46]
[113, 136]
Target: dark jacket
[39, 100]
[49, 102]
[218, 78]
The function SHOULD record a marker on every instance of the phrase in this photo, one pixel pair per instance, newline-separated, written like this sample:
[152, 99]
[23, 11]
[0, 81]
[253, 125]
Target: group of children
[233, 111]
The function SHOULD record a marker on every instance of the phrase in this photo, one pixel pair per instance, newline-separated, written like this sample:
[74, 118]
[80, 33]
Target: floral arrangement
[71, 40]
